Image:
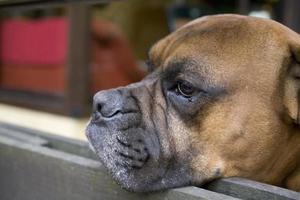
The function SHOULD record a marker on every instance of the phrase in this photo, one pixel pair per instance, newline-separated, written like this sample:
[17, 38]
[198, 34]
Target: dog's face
[222, 101]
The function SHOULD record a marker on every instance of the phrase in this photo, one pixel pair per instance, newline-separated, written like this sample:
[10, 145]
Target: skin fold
[222, 101]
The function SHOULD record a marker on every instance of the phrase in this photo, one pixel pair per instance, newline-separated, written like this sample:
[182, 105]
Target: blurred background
[55, 55]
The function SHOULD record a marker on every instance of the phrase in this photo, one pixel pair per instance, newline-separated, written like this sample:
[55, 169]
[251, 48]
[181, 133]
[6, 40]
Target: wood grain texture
[32, 171]
[41, 166]
[247, 189]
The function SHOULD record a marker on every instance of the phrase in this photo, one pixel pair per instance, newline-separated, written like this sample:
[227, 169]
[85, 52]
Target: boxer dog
[223, 100]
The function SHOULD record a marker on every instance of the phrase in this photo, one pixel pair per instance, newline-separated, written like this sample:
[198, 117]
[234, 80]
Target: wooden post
[243, 7]
[77, 86]
[291, 14]
[75, 102]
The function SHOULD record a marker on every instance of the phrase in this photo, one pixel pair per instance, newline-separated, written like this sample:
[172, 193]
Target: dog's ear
[292, 83]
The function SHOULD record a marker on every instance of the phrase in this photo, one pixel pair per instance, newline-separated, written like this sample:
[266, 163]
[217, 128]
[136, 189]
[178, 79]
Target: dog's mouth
[131, 155]
[127, 148]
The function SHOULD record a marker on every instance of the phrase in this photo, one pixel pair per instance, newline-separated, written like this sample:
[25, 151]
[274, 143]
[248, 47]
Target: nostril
[99, 107]
[104, 110]
[111, 103]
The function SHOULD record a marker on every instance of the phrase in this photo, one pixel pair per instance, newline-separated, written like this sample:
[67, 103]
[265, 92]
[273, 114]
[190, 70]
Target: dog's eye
[185, 89]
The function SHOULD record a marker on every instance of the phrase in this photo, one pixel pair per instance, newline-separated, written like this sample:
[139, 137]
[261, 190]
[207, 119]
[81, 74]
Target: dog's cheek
[182, 140]
[242, 143]
[180, 134]
[207, 167]
[219, 125]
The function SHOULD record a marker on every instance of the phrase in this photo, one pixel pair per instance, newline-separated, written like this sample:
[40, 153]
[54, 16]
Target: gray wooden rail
[39, 166]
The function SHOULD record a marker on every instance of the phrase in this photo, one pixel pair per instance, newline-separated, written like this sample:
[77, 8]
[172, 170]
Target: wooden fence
[39, 166]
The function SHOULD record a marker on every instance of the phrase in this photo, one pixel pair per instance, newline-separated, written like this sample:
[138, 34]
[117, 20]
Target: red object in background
[112, 60]
[33, 56]
[36, 42]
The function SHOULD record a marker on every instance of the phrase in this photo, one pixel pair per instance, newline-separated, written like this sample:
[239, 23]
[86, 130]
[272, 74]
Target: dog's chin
[132, 156]
[135, 160]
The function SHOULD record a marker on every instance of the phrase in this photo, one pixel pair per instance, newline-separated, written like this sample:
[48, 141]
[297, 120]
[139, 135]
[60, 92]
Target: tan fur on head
[244, 133]
[223, 101]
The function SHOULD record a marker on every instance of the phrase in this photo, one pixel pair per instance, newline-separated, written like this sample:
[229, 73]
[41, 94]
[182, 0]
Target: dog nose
[107, 103]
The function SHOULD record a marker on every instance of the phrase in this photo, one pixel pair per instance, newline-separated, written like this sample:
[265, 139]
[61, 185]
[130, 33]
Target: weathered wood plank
[30, 172]
[33, 172]
[62, 168]
[252, 190]
[17, 135]
[67, 145]
[191, 193]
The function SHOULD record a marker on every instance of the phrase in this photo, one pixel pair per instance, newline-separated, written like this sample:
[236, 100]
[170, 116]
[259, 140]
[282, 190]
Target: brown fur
[252, 131]
[241, 118]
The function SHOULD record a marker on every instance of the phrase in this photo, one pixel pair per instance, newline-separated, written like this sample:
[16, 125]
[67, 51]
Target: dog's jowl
[222, 101]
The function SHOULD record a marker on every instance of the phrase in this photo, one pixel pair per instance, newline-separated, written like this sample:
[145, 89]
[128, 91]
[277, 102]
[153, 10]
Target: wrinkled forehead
[218, 36]
[224, 51]
[202, 58]
[210, 45]
[194, 69]
[182, 66]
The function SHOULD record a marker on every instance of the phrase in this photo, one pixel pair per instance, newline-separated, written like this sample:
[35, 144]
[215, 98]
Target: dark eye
[185, 89]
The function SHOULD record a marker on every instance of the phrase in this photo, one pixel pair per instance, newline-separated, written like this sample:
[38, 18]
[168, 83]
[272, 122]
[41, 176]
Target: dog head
[223, 100]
